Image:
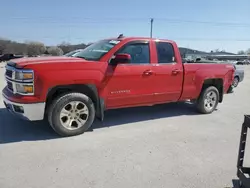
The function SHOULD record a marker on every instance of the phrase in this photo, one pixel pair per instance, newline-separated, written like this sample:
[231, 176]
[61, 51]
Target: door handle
[148, 72]
[176, 71]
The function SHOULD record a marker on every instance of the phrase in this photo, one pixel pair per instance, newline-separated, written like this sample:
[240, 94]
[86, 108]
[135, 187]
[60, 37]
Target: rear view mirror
[121, 59]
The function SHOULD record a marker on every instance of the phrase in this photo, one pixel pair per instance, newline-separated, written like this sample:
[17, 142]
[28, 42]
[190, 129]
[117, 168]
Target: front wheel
[71, 114]
[208, 100]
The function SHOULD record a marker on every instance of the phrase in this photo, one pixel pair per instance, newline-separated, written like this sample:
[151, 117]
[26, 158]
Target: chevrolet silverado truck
[71, 91]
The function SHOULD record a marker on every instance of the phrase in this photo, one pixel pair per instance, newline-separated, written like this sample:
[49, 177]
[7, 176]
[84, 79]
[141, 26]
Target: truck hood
[22, 62]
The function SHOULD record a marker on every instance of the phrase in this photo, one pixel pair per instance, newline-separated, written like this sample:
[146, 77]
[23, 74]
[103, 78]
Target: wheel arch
[216, 82]
[89, 89]
[237, 76]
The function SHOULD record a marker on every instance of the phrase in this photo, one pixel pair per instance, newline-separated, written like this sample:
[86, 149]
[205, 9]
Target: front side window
[165, 52]
[139, 52]
[96, 50]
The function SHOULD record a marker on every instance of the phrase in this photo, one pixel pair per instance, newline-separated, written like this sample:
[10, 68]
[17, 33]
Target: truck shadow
[236, 183]
[13, 129]
[137, 114]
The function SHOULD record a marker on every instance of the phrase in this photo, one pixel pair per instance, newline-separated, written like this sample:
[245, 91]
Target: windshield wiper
[79, 57]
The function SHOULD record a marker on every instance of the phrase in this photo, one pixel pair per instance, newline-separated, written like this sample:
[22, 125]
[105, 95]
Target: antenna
[151, 27]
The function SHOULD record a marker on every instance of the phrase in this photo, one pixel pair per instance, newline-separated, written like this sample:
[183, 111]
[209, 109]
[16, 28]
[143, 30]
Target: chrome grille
[9, 73]
[10, 86]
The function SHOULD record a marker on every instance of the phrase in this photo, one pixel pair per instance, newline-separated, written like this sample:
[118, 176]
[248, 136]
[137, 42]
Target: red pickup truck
[113, 73]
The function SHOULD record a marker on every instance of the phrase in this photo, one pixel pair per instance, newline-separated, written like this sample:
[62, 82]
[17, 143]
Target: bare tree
[55, 51]
[3, 45]
[66, 47]
[35, 48]
[10, 47]
[248, 51]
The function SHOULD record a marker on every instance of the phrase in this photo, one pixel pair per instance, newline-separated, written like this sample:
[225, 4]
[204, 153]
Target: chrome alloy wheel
[74, 115]
[235, 82]
[210, 100]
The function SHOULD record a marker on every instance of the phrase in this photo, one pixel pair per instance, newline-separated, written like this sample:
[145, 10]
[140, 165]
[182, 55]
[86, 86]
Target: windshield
[97, 50]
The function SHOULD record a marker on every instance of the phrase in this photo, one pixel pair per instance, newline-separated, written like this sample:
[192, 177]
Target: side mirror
[120, 59]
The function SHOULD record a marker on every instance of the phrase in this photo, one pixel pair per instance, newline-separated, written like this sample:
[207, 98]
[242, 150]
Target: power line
[78, 19]
[168, 20]
[173, 38]
[214, 39]
[117, 20]
[205, 22]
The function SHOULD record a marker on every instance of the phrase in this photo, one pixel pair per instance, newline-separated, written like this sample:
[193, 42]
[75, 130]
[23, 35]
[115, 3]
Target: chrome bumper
[31, 112]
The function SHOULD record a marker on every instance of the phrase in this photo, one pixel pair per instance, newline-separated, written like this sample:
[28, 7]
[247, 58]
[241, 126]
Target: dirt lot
[162, 146]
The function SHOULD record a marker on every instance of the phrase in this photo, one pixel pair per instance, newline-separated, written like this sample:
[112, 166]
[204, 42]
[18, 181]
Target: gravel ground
[2, 64]
[162, 146]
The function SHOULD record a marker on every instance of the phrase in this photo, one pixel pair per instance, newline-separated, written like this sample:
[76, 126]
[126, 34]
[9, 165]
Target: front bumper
[31, 112]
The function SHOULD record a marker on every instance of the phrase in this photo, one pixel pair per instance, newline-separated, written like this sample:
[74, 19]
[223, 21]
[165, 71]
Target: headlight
[20, 81]
[24, 75]
[24, 89]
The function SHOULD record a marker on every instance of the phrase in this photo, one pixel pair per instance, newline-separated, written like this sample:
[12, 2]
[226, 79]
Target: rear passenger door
[168, 73]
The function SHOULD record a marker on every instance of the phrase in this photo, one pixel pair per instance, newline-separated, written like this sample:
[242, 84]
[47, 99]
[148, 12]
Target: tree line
[34, 48]
[242, 52]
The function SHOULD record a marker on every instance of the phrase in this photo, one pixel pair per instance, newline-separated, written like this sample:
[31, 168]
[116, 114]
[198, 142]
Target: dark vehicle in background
[238, 76]
[244, 62]
[7, 57]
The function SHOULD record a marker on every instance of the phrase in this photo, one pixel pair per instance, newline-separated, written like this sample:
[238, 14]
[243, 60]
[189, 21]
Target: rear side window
[165, 52]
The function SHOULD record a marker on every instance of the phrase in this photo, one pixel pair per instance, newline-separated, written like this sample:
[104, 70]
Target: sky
[198, 24]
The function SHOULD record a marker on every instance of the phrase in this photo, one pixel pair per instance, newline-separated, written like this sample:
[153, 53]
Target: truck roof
[141, 38]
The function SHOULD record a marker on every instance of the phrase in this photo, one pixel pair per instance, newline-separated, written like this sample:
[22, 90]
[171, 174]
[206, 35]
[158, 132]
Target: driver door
[131, 84]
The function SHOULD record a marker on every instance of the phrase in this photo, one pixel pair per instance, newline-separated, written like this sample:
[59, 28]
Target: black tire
[236, 81]
[231, 89]
[59, 103]
[201, 100]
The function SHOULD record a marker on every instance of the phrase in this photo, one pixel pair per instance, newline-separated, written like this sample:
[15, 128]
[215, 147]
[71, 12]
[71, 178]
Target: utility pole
[151, 27]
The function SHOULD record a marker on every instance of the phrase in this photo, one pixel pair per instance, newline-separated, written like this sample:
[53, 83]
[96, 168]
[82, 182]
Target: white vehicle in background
[246, 62]
[234, 62]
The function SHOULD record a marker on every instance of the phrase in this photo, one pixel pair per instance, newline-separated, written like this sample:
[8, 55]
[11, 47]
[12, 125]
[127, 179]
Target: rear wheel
[71, 114]
[231, 89]
[208, 100]
[235, 81]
